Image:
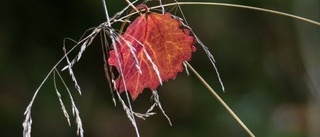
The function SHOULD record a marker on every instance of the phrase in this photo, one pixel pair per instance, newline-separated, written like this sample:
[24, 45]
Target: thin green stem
[220, 100]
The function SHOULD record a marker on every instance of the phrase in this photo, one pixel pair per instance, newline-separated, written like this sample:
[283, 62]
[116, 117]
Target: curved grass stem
[234, 6]
[220, 100]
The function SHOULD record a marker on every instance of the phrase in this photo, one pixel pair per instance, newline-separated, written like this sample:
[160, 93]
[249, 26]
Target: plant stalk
[220, 100]
[234, 6]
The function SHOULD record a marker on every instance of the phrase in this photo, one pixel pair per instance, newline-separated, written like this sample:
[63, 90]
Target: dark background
[268, 63]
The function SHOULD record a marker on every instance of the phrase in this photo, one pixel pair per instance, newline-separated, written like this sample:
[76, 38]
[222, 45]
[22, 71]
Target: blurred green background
[270, 66]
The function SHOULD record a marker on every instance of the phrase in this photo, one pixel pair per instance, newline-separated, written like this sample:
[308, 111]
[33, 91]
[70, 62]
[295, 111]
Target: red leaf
[163, 40]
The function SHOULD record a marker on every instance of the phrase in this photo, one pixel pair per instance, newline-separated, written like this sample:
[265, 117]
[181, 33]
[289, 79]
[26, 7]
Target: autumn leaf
[151, 51]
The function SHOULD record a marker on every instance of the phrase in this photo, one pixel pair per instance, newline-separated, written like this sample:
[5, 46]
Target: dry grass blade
[234, 6]
[75, 110]
[252, 8]
[220, 100]
[65, 112]
[155, 96]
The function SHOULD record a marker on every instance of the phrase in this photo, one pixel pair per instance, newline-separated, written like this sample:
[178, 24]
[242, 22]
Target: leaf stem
[220, 100]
